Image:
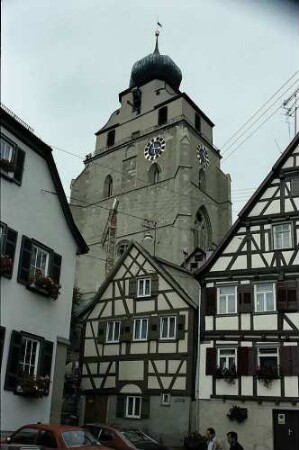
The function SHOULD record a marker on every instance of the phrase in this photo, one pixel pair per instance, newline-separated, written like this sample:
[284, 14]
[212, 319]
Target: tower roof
[156, 67]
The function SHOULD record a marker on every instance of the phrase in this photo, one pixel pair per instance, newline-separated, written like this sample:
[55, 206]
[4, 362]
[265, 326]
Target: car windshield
[136, 437]
[78, 438]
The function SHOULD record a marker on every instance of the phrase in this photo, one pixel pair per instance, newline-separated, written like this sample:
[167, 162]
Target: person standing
[232, 439]
[213, 443]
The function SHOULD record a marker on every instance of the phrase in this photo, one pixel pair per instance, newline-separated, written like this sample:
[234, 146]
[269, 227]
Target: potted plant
[237, 413]
[6, 264]
[44, 285]
[32, 386]
[228, 374]
[267, 374]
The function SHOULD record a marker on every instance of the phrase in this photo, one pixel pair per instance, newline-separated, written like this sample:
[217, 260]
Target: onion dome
[156, 67]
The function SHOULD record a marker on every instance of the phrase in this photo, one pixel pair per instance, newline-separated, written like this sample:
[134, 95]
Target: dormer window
[162, 115]
[110, 138]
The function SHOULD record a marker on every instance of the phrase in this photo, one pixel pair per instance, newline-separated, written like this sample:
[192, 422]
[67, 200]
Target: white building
[39, 243]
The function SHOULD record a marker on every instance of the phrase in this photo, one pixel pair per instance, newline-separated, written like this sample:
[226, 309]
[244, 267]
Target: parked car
[121, 438]
[52, 436]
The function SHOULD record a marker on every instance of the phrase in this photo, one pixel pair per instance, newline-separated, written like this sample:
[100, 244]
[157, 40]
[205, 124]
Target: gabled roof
[170, 272]
[248, 207]
[24, 134]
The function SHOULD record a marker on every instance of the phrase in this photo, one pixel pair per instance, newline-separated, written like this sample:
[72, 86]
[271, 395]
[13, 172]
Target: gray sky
[65, 61]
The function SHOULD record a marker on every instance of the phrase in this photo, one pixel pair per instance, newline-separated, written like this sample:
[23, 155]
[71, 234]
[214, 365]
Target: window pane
[226, 290]
[117, 331]
[164, 327]
[140, 287]
[144, 329]
[137, 406]
[222, 306]
[231, 304]
[269, 301]
[110, 331]
[137, 329]
[130, 406]
[147, 287]
[172, 327]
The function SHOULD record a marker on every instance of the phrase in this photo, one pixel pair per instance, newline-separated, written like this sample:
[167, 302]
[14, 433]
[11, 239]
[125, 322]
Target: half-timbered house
[249, 357]
[140, 343]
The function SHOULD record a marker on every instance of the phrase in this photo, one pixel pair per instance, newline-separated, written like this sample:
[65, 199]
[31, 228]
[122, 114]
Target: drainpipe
[197, 363]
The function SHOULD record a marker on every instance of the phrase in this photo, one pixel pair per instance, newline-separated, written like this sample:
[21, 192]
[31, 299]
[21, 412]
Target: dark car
[52, 436]
[121, 438]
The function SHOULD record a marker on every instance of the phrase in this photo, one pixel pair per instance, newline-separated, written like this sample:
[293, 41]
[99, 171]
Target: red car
[53, 436]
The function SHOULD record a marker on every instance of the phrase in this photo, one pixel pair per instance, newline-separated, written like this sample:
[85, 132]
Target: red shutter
[211, 297]
[289, 360]
[245, 298]
[287, 296]
[211, 361]
[245, 361]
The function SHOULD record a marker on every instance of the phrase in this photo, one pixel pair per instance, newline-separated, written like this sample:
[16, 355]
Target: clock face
[154, 148]
[203, 156]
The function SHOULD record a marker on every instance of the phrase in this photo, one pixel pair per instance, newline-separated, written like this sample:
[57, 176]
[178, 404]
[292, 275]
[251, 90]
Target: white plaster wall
[265, 322]
[131, 370]
[37, 214]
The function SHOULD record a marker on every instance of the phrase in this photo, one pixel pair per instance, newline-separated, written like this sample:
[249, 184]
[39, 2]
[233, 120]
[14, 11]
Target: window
[24, 436]
[165, 400]
[143, 287]
[113, 332]
[197, 123]
[108, 186]
[136, 100]
[264, 295]
[295, 186]
[168, 328]
[162, 115]
[46, 438]
[227, 299]
[78, 438]
[2, 238]
[154, 173]
[133, 407]
[282, 237]
[39, 261]
[268, 357]
[29, 356]
[12, 160]
[122, 247]
[110, 138]
[140, 329]
[226, 358]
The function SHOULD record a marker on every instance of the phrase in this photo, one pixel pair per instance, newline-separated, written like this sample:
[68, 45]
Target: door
[286, 429]
[96, 408]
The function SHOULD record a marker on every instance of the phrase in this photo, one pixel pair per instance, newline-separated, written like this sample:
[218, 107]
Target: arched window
[202, 229]
[108, 186]
[154, 174]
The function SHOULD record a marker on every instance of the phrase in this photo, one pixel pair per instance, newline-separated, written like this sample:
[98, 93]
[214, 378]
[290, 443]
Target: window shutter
[2, 338]
[181, 327]
[211, 296]
[155, 285]
[120, 406]
[126, 331]
[18, 174]
[102, 332]
[10, 247]
[289, 360]
[287, 296]
[12, 366]
[211, 359]
[46, 358]
[145, 407]
[245, 361]
[133, 288]
[153, 332]
[25, 259]
[56, 266]
[245, 298]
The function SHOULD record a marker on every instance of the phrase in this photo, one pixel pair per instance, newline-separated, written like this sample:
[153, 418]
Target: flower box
[6, 264]
[267, 374]
[32, 386]
[44, 285]
[237, 413]
[228, 375]
[7, 166]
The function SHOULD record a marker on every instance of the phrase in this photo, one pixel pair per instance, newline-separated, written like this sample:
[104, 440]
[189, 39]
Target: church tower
[154, 176]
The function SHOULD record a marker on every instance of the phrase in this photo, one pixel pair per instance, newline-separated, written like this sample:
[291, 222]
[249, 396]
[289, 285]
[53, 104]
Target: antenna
[290, 106]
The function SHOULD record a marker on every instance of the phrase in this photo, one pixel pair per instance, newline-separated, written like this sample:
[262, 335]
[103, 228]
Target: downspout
[197, 362]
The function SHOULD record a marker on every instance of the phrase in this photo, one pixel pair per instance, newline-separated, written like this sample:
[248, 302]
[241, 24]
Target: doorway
[96, 408]
[286, 429]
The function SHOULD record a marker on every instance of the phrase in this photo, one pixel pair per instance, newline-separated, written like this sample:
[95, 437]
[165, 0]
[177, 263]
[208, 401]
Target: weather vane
[157, 33]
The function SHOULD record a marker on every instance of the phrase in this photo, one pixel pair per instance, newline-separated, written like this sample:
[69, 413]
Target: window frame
[23, 358]
[143, 293]
[168, 337]
[265, 355]
[226, 313]
[33, 268]
[133, 416]
[140, 319]
[227, 357]
[275, 234]
[265, 311]
[113, 340]
[165, 398]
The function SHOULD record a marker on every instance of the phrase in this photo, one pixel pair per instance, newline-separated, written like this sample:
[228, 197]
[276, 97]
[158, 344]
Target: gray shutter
[211, 297]
[133, 288]
[102, 332]
[287, 296]
[181, 327]
[211, 356]
[145, 407]
[10, 247]
[126, 331]
[155, 285]
[2, 339]
[245, 298]
[46, 358]
[120, 406]
[12, 367]
[55, 267]
[245, 361]
[18, 173]
[25, 260]
[154, 328]
[289, 360]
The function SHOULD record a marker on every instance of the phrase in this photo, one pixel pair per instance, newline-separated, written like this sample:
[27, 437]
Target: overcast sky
[65, 61]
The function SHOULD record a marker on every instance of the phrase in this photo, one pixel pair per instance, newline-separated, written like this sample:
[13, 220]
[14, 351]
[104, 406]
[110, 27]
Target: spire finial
[157, 34]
